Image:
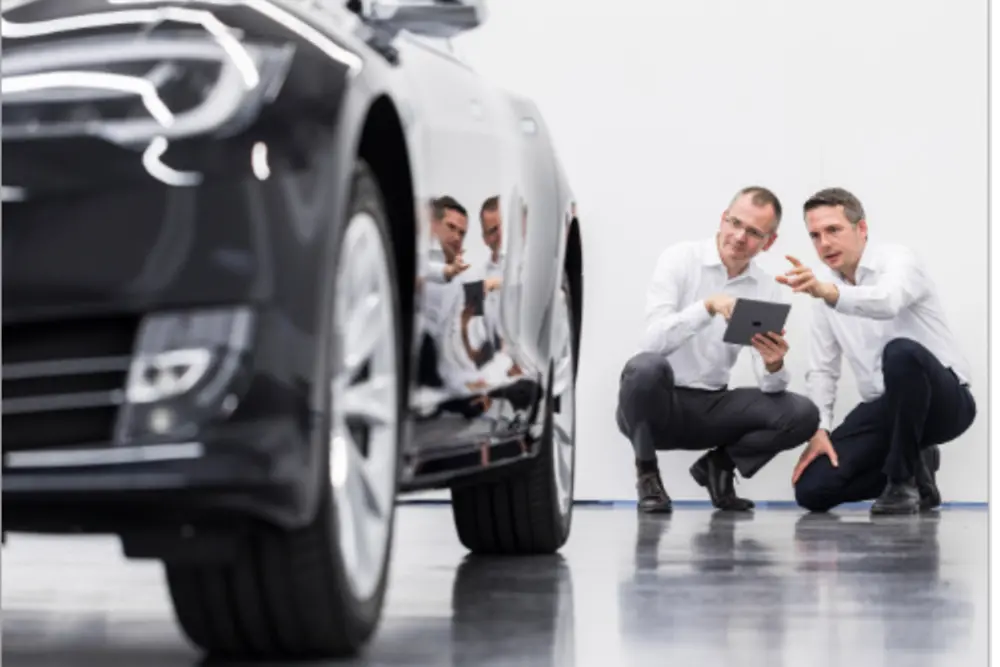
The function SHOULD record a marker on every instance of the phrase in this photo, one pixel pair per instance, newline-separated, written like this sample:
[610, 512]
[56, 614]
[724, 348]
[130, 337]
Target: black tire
[287, 596]
[518, 513]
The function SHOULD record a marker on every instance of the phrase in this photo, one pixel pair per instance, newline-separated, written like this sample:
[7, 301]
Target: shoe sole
[895, 511]
[932, 500]
[655, 510]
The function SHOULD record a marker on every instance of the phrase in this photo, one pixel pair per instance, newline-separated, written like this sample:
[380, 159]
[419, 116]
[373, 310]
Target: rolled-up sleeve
[770, 383]
[900, 283]
[436, 274]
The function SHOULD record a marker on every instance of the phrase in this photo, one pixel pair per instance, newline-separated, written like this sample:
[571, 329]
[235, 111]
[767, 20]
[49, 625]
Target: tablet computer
[475, 295]
[751, 317]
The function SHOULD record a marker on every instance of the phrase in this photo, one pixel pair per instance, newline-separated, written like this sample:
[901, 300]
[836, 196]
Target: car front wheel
[317, 592]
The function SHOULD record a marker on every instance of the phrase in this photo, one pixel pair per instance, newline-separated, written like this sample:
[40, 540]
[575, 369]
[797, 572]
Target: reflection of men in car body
[674, 394]
[877, 306]
[453, 351]
[492, 229]
[449, 224]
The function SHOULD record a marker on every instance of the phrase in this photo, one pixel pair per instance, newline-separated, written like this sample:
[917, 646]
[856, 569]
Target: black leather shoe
[930, 496]
[715, 472]
[653, 498]
[898, 498]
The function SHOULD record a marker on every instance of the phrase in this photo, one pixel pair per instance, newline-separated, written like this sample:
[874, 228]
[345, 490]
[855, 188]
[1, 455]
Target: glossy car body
[169, 256]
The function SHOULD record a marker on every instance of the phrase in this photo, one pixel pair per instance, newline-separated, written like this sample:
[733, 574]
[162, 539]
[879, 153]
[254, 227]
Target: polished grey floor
[695, 589]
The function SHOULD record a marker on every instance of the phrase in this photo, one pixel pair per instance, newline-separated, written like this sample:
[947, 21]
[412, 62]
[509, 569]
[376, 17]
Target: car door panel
[463, 155]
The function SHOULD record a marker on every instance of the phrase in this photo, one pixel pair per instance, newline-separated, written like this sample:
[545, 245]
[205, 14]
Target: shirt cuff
[825, 423]
[774, 382]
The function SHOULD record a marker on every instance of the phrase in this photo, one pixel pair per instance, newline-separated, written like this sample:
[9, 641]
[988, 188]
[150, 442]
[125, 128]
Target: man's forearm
[830, 293]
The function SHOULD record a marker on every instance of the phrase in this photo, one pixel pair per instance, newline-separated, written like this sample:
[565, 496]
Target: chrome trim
[110, 456]
[61, 367]
[70, 401]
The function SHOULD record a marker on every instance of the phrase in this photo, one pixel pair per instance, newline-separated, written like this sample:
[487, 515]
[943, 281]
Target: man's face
[838, 243]
[492, 230]
[451, 233]
[745, 230]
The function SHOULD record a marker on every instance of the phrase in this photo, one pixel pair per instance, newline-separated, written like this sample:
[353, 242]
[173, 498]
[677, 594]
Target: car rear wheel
[318, 591]
[530, 509]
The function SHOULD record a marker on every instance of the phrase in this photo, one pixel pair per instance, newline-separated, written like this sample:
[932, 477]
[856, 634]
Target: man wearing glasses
[674, 394]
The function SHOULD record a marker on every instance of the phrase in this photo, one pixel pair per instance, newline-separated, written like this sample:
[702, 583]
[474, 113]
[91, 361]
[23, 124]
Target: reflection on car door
[468, 385]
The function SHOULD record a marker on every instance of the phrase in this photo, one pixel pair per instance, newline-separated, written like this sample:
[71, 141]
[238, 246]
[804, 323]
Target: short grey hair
[761, 196]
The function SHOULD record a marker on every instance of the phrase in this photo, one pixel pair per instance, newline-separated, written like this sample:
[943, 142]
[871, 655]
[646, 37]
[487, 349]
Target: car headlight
[187, 369]
[133, 91]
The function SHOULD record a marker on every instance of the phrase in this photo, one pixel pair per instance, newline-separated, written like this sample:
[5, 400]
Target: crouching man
[876, 305]
[675, 393]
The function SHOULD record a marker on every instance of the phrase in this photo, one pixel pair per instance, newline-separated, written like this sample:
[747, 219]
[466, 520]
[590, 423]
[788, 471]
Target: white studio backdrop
[662, 110]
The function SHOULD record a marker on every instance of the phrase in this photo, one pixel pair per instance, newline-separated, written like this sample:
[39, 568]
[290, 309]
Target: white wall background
[661, 110]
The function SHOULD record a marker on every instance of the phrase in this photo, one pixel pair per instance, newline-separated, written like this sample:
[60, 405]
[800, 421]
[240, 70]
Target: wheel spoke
[561, 435]
[360, 495]
[371, 400]
[365, 329]
[563, 375]
[340, 456]
[367, 489]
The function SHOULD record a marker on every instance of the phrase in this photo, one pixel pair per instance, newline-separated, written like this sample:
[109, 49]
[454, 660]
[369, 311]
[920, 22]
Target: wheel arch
[383, 147]
[574, 270]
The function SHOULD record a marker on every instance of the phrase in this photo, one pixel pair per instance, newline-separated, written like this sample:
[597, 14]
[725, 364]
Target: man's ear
[770, 241]
[863, 227]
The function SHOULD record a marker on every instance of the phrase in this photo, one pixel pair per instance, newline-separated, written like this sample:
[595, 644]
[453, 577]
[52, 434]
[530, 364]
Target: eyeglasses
[752, 232]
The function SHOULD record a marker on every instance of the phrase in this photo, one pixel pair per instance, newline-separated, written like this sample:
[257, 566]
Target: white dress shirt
[436, 263]
[679, 326]
[491, 304]
[893, 297]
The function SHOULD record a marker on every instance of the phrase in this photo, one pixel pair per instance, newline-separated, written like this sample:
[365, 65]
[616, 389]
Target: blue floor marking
[705, 504]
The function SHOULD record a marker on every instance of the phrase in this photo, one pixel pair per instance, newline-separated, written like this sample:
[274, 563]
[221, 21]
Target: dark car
[268, 264]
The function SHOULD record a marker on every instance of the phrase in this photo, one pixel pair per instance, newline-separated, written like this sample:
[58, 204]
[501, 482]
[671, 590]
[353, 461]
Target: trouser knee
[646, 378]
[646, 371]
[803, 419]
[901, 357]
[795, 420]
[646, 385]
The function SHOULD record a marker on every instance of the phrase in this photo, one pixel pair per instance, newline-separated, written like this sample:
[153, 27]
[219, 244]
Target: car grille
[63, 381]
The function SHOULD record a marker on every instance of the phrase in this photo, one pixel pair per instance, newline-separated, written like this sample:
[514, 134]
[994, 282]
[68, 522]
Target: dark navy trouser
[924, 404]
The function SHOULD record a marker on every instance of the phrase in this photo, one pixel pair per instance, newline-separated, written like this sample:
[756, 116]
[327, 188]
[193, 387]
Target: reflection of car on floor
[227, 335]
